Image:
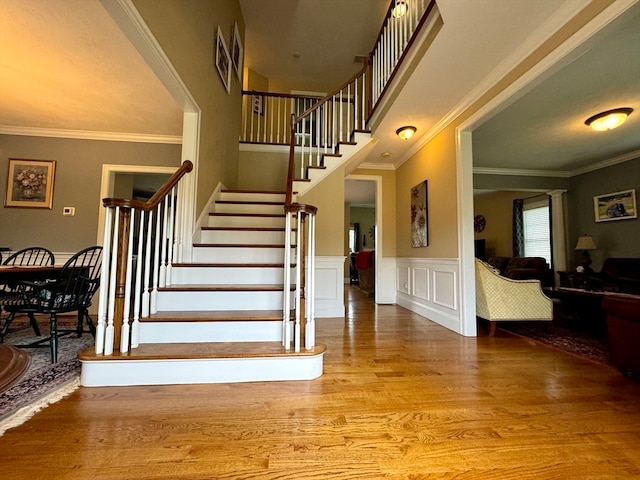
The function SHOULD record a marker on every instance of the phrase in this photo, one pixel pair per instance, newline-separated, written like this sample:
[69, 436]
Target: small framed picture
[30, 183]
[236, 51]
[615, 206]
[258, 104]
[223, 61]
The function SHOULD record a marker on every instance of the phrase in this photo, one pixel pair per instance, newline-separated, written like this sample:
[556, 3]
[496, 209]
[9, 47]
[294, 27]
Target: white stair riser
[195, 332]
[244, 221]
[248, 208]
[252, 197]
[228, 275]
[238, 255]
[175, 372]
[218, 301]
[255, 237]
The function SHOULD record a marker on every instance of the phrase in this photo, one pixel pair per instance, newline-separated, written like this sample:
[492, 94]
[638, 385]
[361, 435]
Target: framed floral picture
[419, 216]
[223, 61]
[30, 183]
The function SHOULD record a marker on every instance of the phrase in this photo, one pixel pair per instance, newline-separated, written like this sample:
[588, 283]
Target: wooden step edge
[301, 180]
[224, 288]
[262, 192]
[336, 155]
[216, 316]
[246, 202]
[229, 265]
[244, 229]
[347, 143]
[203, 350]
[239, 214]
[241, 245]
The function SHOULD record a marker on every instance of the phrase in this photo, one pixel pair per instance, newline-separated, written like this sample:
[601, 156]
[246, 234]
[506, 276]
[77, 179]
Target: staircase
[220, 318]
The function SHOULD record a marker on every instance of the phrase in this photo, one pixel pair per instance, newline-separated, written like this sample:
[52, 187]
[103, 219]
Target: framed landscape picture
[223, 61]
[30, 183]
[615, 206]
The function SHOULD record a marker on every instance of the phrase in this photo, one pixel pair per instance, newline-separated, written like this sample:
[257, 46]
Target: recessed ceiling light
[608, 120]
[385, 154]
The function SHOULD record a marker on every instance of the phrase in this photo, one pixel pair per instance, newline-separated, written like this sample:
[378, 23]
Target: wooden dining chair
[70, 290]
[9, 295]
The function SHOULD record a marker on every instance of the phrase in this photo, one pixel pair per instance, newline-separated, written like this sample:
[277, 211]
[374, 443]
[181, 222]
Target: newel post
[121, 274]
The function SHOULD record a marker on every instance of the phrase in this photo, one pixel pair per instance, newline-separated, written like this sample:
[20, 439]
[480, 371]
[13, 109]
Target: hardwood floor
[400, 398]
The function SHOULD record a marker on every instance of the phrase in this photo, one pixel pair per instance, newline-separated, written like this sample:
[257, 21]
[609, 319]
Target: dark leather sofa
[620, 275]
[524, 268]
[623, 330]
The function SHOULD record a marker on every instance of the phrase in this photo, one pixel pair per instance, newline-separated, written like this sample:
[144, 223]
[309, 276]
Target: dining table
[14, 274]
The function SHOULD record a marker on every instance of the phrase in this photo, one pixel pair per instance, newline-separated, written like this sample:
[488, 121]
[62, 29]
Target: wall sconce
[586, 243]
[400, 10]
[405, 133]
[608, 120]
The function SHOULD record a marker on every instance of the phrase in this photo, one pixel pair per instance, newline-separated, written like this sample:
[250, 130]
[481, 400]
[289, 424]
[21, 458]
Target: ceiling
[73, 44]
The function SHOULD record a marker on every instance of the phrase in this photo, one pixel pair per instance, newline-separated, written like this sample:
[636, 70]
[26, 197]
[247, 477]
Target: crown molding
[88, 135]
[520, 172]
[375, 166]
[607, 163]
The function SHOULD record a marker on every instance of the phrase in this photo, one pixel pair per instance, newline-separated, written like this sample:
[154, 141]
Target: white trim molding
[329, 287]
[430, 287]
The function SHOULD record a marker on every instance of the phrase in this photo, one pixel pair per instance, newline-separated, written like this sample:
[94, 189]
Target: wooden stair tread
[241, 245]
[223, 288]
[204, 350]
[230, 265]
[254, 191]
[214, 315]
[247, 202]
[239, 214]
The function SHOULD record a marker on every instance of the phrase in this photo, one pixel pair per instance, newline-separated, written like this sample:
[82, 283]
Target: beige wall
[436, 163]
[186, 31]
[77, 184]
[263, 170]
[497, 208]
[328, 197]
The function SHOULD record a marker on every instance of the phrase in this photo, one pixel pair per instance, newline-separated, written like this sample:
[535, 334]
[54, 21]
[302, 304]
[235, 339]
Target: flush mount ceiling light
[400, 10]
[608, 120]
[405, 133]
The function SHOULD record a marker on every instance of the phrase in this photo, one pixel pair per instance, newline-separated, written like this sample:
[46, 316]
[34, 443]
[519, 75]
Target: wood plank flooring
[400, 398]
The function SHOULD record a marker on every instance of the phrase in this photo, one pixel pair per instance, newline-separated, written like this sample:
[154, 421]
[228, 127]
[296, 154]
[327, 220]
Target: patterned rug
[42, 377]
[565, 338]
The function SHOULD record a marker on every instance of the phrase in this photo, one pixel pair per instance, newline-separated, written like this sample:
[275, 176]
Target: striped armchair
[503, 299]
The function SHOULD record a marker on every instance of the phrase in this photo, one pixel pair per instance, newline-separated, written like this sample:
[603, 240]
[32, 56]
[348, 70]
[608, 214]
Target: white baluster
[162, 273]
[310, 328]
[172, 214]
[137, 299]
[146, 294]
[124, 331]
[109, 332]
[299, 261]
[156, 264]
[104, 282]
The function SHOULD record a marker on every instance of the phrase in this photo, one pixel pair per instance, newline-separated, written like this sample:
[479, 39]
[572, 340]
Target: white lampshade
[400, 10]
[609, 120]
[586, 243]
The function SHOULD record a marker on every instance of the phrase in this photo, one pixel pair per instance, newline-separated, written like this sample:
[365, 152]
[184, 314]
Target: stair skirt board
[196, 332]
[104, 373]
[217, 301]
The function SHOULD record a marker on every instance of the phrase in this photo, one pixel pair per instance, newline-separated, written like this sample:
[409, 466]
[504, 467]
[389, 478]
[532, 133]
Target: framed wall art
[419, 216]
[236, 51]
[30, 183]
[615, 206]
[223, 61]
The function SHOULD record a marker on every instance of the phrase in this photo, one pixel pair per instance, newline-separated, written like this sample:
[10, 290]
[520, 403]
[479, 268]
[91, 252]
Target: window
[537, 232]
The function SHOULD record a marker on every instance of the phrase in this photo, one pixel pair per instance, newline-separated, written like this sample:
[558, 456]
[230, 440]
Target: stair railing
[141, 240]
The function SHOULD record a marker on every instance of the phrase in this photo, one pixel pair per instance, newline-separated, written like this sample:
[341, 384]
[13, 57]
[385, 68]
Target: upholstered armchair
[503, 299]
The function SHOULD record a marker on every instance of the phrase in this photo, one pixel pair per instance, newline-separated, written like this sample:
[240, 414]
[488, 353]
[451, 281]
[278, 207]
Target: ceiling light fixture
[405, 133]
[608, 120]
[400, 10]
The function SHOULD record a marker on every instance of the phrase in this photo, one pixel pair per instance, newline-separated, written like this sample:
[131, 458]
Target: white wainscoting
[430, 287]
[330, 287]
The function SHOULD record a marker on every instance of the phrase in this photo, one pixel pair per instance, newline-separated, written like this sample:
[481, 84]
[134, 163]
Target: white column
[558, 231]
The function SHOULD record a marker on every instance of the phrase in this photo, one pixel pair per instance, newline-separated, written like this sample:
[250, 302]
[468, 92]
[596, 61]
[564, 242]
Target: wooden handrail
[154, 201]
[279, 95]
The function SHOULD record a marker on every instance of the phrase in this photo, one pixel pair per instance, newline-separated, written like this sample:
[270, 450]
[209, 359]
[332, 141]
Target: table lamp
[585, 243]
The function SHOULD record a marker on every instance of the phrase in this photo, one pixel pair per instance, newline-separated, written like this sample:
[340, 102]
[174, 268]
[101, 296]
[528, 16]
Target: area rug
[570, 340]
[42, 378]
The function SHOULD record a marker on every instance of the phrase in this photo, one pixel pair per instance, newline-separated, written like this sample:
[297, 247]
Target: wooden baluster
[121, 273]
